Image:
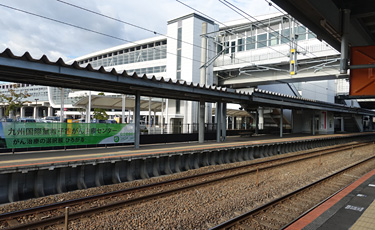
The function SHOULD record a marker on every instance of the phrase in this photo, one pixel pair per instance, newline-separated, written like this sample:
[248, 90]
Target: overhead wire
[90, 30]
[146, 29]
[235, 8]
[86, 29]
[281, 81]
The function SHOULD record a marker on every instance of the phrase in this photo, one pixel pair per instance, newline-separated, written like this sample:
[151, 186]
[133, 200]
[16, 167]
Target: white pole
[89, 109]
[62, 105]
[149, 112]
[123, 108]
[162, 116]
[166, 115]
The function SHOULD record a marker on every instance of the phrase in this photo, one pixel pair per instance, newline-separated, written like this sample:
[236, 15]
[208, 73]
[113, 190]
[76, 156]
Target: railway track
[54, 214]
[283, 211]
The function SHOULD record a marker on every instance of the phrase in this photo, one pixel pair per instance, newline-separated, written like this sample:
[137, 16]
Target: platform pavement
[352, 208]
[53, 157]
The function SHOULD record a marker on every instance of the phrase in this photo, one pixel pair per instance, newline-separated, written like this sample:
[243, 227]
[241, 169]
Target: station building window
[233, 47]
[241, 44]
[261, 40]
[250, 43]
[273, 38]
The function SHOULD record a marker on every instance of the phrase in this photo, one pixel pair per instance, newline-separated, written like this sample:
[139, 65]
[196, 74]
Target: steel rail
[61, 205]
[232, 222]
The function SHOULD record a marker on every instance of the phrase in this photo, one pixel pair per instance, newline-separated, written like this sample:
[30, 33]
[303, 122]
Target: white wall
[190, 61]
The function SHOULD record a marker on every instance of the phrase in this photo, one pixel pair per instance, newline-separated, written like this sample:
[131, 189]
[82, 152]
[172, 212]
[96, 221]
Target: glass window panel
[126, 58]
[163, 51]
[178, 59]
[137, 56]
[250, 43]
[157, 53]
[219, 48]
[105, 62]
[150, 54]
[273, 39]
[233, 46]
[157, 69]
[150, 70]
[241, 46]
[131, 57]
[261, 40]
[285, 36]
[143, 55]
[301, 32]
[179, 38]
[226, 47]
[120, 59]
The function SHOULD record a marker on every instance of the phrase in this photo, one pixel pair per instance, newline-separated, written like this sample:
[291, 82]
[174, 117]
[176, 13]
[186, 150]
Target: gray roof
[26, 69]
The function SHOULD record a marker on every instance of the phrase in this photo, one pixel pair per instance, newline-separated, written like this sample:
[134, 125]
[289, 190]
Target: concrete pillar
[22, 112]
[62, 105]
[162, 116]
[281, 121]
[149, 112]
[123, 108]
[201, 121]
[36, 112]
[50, 111]
[166, 114]
[154, 121]
[224, 123]
[260, 119]
[233, 122]
[137, 120]
[218, 121]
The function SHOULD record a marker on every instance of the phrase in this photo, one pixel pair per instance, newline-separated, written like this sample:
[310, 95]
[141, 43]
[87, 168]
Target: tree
[100, 114]
[13, 100]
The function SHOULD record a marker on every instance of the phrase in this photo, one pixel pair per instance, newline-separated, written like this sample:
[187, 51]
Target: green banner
[24, 135]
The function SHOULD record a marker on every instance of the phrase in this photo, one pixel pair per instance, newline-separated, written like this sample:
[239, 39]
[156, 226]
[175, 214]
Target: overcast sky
[23, 32]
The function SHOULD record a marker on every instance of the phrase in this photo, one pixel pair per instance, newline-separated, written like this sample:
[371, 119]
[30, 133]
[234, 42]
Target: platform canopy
[324, 18]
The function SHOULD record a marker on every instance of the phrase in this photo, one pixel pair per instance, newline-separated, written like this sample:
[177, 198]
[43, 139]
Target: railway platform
[9, 161]
[27, 175]
[352, 208]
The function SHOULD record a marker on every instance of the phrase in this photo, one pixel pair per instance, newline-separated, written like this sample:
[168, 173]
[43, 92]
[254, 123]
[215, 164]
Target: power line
[86, 29]
[127, 23]
[152, 31]
[233, 7]
[245, 44]
[200, 12]
[93, 31]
